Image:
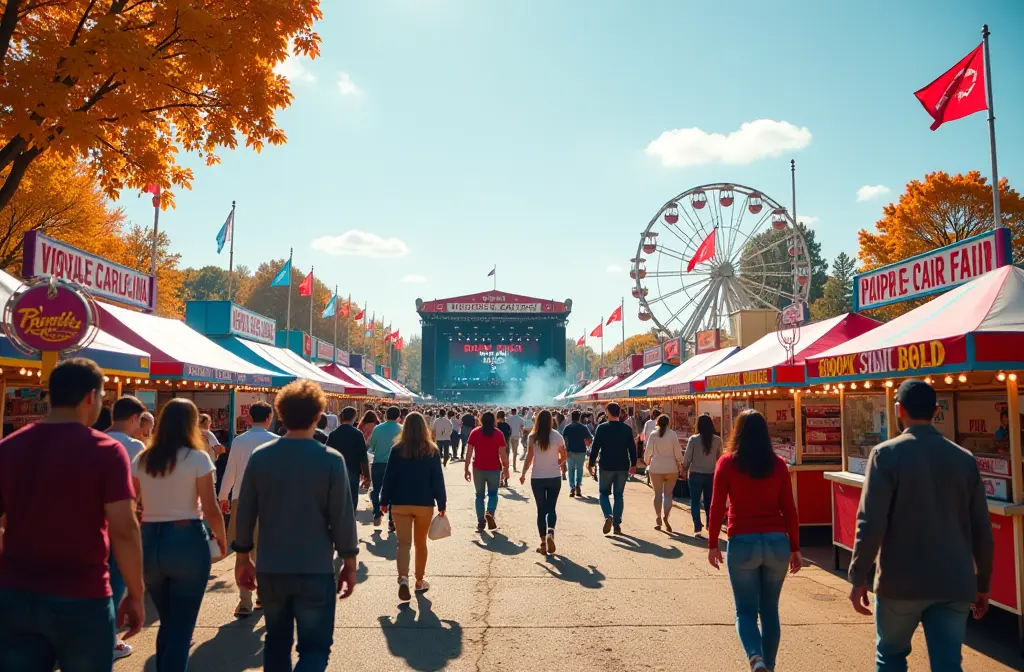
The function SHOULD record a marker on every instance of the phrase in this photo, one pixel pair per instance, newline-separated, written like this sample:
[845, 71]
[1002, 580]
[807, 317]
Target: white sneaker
[423, 587]
[122, 650]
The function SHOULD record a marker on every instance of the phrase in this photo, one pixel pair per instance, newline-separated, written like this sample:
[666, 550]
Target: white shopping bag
[439, 528]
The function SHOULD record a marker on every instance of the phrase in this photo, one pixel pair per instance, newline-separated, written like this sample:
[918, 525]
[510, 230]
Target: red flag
[306, 286]
[155, 190]
[705, 252]
[387, 337]
[358, 316]
[598, 331]
[616, 315]
[346, 309]
[583, 341]
[400, 343]
[958, 92]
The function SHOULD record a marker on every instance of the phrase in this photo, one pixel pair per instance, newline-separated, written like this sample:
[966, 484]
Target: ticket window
[780, 417]
[864, 425]
[982, 427]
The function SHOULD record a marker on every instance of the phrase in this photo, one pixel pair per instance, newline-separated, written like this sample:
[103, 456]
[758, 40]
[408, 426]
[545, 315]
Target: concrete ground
[645, 600]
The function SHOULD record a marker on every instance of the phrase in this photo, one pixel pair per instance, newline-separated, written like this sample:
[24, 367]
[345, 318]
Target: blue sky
[468, 133]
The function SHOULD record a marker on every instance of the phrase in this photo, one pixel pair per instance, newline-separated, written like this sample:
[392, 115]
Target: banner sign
[252, 326]
[652, 355]
[48, 316]
[706, 341]
[913, 359]
[932, 272]
[324, 350]
[342, 358]
[794, 314]
[43, 256]
[492, 302]
[673, 351]
[742, 379]
[307, 345]
[368, 366]
[387, 372]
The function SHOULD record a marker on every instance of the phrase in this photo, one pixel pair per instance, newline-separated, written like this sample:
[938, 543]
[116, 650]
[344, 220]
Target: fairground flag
[388, 336]
[224, 235]
[616, 315]
[284, 276]
[331, 305]
[155, 190]
[358, 316]
[705, 252]
[306, 286]
[400, 343]
[346, 310]
[492, 271]
[598, 331]
[958, 92]
[582, 341]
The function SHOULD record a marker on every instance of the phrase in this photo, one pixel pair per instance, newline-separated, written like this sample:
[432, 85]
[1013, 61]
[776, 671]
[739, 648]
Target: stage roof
[493, 303]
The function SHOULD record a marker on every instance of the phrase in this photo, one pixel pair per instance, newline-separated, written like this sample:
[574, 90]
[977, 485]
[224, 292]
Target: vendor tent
[289, 364]
[590, 392]
[630, 385]
[681, 379]
[356, 381]
[390, 385]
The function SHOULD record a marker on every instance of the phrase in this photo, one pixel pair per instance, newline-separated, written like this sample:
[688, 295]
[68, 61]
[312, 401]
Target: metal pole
[622, 316]
[156, 235]
[996, 215]
[288, 315]
[231, 252]
[336, 311]
[602, 340]
[792, 179]
[495, 276]
[312, 295]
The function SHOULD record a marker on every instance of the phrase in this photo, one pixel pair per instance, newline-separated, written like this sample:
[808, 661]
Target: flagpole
[288, 318]
[622, 315]
[231, 253]
[335, 358]
[156, 232]
[792, 180]
[495, 274]
[602, 341]
[348, 330]
[996, 215]
[312, 294]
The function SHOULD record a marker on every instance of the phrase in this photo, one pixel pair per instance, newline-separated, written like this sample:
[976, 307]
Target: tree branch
[8, 22]
[81, 23]
[13, 179]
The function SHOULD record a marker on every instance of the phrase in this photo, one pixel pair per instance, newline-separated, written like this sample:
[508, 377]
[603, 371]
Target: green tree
[767, 255]
[210, 283]
[837, 293]
[412, 361]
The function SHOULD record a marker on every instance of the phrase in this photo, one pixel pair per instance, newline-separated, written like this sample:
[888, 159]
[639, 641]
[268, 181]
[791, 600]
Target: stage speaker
[428, 360]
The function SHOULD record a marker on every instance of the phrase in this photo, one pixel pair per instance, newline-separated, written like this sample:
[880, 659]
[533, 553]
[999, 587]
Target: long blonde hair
[414, 440]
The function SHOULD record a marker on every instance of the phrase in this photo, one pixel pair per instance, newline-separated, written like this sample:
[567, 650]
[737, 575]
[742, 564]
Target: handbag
[440, 528]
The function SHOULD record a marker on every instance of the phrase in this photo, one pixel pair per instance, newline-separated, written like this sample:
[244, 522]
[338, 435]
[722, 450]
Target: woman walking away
[413, 483]
[172, 477]
[764, 535]
[702, 452]
[664, 460]
[366, 425]
[545, 451]
[485, 447]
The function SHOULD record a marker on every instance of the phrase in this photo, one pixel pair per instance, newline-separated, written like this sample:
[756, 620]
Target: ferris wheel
[759, 260]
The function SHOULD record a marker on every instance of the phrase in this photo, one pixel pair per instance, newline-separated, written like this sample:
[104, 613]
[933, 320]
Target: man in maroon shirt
[66, 497]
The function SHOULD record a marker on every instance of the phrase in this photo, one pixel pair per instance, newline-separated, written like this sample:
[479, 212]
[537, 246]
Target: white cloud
[413, 278]
[346, 86]
[754, 140]
[807, 220]
[614, 268]
[360, 244]
[869, 192]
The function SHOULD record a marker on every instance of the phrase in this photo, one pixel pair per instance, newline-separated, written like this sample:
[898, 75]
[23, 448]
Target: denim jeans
[575, 468]
[38, 631]
[490, 478]
[377, 470]
[944, 626]
[545, 494]
[117, 586]
[757, 567]
[608, 482]
[304, 603]
[353, 485]
[176, 567]
[445, 447]
[455, 445]
[700, 484]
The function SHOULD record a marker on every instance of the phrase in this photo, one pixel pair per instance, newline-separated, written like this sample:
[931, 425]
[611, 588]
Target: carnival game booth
[184, 363]
[633, 386]
[769, 376]
[969, 345]
[674, 392]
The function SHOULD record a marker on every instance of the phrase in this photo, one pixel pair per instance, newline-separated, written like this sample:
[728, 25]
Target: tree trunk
[18, 167]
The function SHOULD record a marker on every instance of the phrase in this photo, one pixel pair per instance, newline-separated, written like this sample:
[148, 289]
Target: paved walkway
[645, 600]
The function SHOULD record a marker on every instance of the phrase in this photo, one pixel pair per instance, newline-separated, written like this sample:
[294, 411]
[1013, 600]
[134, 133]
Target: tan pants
[244, 596]
[412, 523]
[663, 485]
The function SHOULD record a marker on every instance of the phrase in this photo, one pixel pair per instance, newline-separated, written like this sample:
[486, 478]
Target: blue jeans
[609, 482]
[176, 567]
[377, 470]
[757, 567]
[117, 586]
[304, 603]
[944, 626]
[445, 447]
[575, 468]
[700, 484]
[39, 631]
[490, 478]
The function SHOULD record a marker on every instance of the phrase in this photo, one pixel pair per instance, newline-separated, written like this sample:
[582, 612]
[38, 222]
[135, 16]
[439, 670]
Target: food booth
[969, 345]
[635, 384]
[674, 392]
[769, 376]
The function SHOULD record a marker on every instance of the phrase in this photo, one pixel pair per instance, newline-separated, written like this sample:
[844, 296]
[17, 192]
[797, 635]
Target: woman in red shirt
[486, 450]
[764, 537]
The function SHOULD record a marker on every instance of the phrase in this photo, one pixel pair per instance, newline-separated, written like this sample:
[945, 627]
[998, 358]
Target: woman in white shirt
[173, 477]
[545, 452]
[664, 460]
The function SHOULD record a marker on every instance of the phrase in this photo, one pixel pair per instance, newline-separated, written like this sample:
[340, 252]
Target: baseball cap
[917, 398]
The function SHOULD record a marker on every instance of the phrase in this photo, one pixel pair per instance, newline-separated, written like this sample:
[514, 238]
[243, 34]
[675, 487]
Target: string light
[949, 380]
[1001, 376]
[853, 386]
[888, 383]
[867, 384]
[928, 380]
[962, 378]
[1013, 376]
[21, 372]
[841, 386]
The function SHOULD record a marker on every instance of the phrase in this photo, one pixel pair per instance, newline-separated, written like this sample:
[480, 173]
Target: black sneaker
[607, 525]
[572, 492]
[491, 523]
[391, 526]
[618, 530]
[480, 525]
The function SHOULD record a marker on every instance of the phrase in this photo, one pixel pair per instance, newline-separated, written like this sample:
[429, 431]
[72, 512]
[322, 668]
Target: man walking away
[442, 429]
[349, 441]
[298, 489]
[261, 415]
[577, 438]
[468, 425]
[615, 445]
[381, 442]
[456, 433]
[64, 485]
[517, 424]
[923, 513]
[506, 431]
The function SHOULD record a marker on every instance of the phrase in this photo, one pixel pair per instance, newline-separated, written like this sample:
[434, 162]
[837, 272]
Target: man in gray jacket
[299, 490]
[923, 514]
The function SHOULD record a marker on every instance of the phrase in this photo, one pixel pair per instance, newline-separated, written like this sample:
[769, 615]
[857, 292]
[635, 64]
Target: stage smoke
[539, 384]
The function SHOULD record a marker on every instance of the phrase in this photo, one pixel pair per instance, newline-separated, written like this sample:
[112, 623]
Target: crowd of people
[75, 564]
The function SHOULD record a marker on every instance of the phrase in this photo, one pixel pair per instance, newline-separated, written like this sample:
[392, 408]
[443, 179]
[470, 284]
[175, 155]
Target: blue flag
[225, 233]
[329, 310]
[284, 276]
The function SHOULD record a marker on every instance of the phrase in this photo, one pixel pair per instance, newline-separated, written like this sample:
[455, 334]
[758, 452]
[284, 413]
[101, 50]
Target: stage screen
[491, 361]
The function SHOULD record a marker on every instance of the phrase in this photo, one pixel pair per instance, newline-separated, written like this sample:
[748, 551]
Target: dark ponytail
[662, 424]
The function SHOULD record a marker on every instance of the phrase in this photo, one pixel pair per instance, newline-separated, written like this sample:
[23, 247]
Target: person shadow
[564, 569]
[382, 548]
[236, 647]
[637, 545]
[499, 543]
[420, 638]
[512, 494]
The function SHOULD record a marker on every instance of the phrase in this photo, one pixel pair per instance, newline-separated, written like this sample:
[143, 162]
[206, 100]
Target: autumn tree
[941, 210]
[127, 84]
[136, 251]
[837, 294]
[634, 345]
[210, 283]
[410, 370]
[766, 255]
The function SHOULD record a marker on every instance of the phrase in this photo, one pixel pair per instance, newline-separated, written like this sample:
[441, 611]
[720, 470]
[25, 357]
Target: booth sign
[653, 355]
[707, 341]
[48, 316]
[253, 326]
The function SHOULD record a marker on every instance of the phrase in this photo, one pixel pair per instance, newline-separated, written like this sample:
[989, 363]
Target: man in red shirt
[66, 497]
